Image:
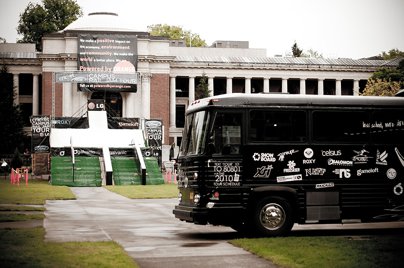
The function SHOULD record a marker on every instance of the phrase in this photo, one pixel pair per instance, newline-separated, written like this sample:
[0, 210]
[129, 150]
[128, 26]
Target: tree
[313, 54]
[176, 33]
[296, 51]
[202, 88]
[11, 122]
[385, 81]
[3, 40]
[381, 87]
[392, 54]
[38, 20]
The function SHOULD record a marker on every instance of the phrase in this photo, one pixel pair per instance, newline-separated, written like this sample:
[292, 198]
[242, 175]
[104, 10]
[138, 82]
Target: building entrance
[113, 102]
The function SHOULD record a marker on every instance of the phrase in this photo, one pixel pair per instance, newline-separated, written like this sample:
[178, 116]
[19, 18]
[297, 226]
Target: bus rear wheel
[273, 216]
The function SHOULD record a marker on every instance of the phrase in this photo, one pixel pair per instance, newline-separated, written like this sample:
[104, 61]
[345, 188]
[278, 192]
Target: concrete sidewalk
[146, 229]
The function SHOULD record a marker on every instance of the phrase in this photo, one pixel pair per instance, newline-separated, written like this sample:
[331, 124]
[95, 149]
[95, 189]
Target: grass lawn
[26, 248]
[36, 192]
[146, 191]
[329, 251]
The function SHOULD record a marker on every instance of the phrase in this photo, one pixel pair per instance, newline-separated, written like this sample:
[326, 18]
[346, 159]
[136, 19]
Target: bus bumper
[191, 214]
[218, 216]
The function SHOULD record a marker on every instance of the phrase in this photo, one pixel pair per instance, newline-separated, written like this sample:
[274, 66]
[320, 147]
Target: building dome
[100, 21]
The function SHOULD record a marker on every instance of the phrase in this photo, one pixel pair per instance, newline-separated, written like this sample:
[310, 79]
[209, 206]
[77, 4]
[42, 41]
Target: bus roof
[266, 100]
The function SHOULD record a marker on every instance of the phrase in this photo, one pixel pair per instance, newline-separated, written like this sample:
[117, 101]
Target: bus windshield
[195, 132]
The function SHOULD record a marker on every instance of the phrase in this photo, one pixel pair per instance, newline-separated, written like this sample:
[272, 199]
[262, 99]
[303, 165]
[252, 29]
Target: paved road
[146, 229]
[149, 233]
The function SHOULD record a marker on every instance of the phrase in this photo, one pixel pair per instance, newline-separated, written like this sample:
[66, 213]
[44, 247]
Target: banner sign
[41, 128]
[99, 78]
[123, 123]
[70, 122]
[154, 136]
[107, 54]
[66, 151]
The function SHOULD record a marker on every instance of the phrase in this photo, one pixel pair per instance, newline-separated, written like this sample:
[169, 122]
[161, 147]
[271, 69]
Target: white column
[146, 95]
[210, 86]
[67, 99]
[35, 95]
[284, 85]
[320, 86]
[191, 89]
[130, 105]
[302, 86]
[266, 85]
[247, 84]
[338, 87]
[229, 85]
[16, 89]
[356, 88]
[172, 102]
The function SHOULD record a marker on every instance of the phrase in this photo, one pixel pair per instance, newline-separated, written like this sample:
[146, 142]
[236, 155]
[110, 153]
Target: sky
[334, 28]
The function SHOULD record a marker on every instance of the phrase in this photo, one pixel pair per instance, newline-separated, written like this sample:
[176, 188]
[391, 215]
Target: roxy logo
[308, 153]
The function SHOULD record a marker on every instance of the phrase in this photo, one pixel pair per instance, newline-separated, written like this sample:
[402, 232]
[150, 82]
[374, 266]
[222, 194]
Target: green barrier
[87, 171]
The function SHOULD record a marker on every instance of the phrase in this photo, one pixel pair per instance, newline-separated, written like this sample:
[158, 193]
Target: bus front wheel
[273, 216]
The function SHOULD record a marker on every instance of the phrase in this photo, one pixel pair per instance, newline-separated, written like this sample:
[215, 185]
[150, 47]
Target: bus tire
[273, 216]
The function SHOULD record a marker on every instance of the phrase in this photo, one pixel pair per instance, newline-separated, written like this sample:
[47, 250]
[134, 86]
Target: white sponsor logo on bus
[360, 172]
[331, 152]
[297, 177]
[324, 185]
[343, 173]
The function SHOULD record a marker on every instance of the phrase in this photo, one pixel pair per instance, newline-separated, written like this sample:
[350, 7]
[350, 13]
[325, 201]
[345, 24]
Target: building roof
[100, 21]
[287, 61]
[17, 50]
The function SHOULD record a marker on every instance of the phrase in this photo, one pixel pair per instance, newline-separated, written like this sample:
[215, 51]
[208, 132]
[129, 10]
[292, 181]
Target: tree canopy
[176, 33]
[385, 81]
[11, 122]
[202, 88]
[51, 16]
[392, 54]
[296, 51]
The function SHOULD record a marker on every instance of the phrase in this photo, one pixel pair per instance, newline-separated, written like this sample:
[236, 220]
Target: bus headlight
[195, 175]
[179, 197]
[197, 198]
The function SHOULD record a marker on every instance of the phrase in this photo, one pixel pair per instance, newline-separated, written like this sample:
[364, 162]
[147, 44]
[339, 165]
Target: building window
[182, 86]
[311, 87]
[25, 84]
[275, 85]
[219, 86]
[180, 115]
[293, 86]
[257, 85]
[238, 85]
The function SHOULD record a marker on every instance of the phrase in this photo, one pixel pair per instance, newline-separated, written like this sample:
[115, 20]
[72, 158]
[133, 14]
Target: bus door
[225, 149]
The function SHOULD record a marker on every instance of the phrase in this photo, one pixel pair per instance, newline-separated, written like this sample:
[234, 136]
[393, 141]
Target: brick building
[167, 73]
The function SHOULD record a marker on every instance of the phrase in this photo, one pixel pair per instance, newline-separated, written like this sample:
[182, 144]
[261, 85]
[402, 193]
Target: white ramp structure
[98, 135]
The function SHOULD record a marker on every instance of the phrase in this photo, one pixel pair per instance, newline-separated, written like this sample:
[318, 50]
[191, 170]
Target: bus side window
[387, 126]
[227, 133]
[277, 126]
[341, 126]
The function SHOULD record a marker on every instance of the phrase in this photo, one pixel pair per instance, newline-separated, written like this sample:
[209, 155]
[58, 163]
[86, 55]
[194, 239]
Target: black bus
[262, 162]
